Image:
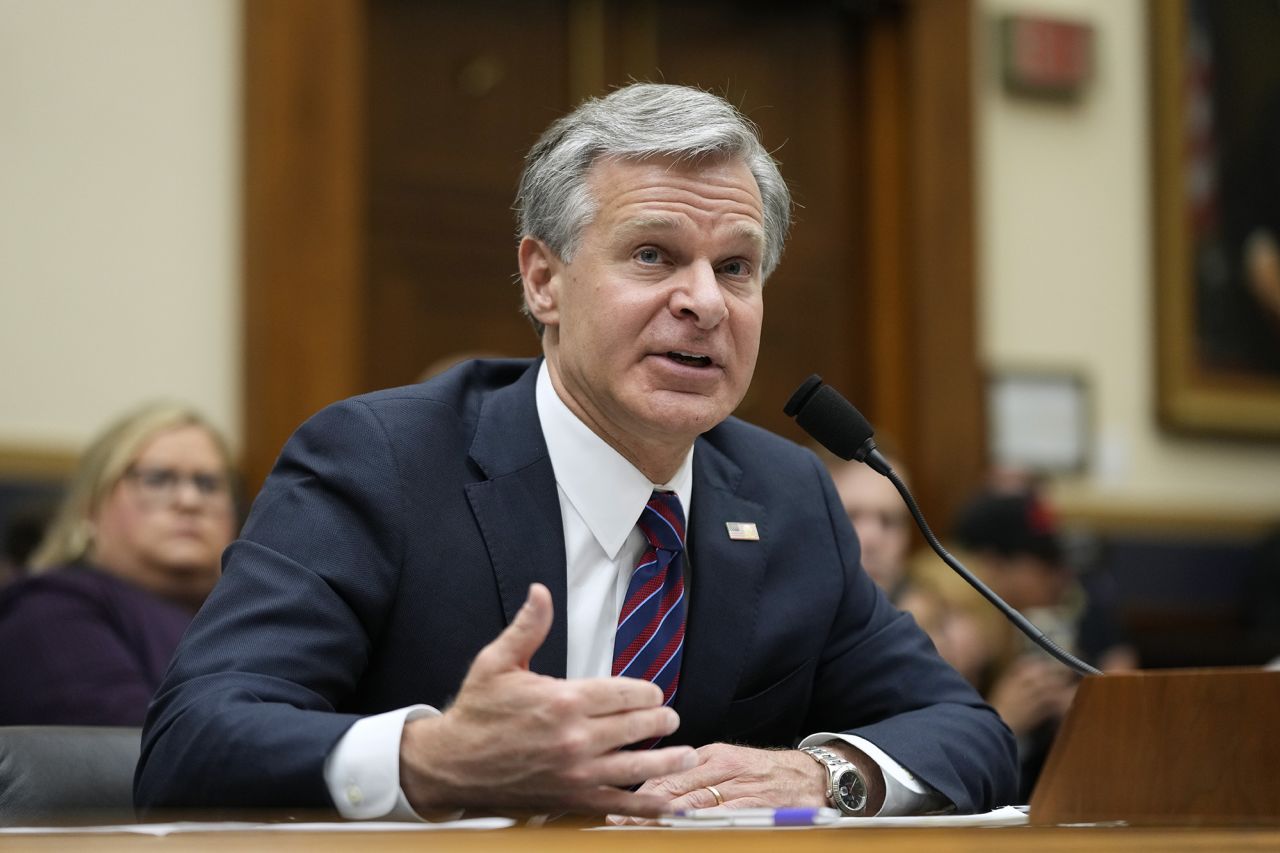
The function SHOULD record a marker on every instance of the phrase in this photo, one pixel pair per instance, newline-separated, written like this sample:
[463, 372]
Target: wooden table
[1038, 839]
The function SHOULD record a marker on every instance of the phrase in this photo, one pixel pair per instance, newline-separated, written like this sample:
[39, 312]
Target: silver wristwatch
[846, 789]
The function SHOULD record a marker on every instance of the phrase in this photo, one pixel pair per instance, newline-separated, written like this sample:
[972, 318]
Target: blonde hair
[101, 467]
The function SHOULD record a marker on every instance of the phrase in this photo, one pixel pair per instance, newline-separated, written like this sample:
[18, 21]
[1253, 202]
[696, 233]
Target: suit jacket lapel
[724, 580]
[518, 511]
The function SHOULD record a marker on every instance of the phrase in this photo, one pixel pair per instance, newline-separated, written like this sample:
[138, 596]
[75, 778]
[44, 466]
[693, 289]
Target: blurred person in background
[1017, 550]
[879, 518]
[921, 584]
[967, 630]
[131, 554]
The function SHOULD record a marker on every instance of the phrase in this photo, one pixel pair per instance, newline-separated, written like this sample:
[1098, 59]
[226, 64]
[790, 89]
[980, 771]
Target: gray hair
[636, 122]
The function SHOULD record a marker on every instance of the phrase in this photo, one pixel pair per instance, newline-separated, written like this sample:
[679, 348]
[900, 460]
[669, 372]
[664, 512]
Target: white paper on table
[1005, 816]
[161, 829]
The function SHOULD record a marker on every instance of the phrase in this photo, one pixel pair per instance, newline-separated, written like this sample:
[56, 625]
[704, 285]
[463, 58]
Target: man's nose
[700, 296]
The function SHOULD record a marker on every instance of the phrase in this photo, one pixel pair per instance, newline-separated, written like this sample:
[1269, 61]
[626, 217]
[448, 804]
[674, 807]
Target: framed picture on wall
[1216, 155]
[1039, 420]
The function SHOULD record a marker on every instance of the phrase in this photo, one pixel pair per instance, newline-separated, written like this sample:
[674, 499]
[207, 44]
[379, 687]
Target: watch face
[851, 791]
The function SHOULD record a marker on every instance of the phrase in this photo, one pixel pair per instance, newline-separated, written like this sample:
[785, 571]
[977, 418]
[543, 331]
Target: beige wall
[1064, 220]
[118, 213]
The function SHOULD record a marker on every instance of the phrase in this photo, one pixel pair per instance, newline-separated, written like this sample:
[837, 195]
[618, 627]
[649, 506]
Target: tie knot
[662, 521]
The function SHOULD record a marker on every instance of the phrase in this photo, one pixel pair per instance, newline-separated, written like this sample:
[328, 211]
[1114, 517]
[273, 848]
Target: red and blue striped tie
[650, 635]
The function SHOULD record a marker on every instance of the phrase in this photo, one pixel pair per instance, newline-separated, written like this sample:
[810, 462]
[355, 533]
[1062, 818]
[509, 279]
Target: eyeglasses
[161, 486]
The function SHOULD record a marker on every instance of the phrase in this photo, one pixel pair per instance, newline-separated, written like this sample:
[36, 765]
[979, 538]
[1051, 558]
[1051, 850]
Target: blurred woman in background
[132, 553]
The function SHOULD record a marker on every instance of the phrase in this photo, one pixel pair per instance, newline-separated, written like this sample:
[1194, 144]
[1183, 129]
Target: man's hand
[760, 778]
[515, 739]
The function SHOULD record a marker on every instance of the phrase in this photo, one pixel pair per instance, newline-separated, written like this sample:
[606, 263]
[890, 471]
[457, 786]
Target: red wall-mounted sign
[1045, 56]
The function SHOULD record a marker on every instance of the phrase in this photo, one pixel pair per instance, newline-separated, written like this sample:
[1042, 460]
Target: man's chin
[689, 417]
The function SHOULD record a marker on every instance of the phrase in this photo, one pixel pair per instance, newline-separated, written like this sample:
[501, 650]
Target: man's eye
[648, 255]
[735, 268]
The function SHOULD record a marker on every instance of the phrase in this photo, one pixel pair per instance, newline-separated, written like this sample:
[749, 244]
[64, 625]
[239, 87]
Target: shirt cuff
[363, 770]
[904, 794]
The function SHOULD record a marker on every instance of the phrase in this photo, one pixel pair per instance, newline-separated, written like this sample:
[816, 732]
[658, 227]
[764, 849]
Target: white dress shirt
[601, 498]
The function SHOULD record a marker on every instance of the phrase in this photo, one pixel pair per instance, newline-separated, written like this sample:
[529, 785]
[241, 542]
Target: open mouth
[689, 359]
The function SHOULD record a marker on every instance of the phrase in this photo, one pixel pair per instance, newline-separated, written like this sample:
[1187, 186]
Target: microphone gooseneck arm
[838, 426]
[1023, 623]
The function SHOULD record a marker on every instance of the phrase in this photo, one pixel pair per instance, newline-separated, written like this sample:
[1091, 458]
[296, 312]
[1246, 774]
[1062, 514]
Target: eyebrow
[634, 228]
[750, 233]
[645, 224]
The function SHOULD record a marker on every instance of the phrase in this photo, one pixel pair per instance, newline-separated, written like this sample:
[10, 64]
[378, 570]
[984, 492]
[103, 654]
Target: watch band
[846, 789]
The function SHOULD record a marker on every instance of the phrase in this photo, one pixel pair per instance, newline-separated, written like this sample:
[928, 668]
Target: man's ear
[540, 274]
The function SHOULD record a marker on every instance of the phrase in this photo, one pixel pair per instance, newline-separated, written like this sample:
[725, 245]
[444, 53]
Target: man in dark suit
[508, 543]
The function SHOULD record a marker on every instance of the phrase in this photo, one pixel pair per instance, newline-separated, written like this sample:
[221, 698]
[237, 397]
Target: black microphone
[838, 426]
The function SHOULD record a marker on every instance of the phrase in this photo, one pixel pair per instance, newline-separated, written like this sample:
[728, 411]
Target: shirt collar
[608, 492]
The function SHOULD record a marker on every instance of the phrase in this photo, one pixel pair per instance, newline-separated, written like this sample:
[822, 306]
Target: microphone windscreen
[802, 395]
[831, 419]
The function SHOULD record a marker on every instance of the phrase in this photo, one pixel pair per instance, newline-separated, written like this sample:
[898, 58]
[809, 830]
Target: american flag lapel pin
[742, 531]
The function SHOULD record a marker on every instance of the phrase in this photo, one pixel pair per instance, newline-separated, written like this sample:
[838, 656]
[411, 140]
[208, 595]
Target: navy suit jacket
[398, 534]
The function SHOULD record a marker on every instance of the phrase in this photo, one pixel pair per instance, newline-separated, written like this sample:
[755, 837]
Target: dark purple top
[81, 647]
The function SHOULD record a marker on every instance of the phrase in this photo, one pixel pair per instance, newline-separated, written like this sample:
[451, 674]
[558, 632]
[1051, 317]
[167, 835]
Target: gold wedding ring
[716, 794]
